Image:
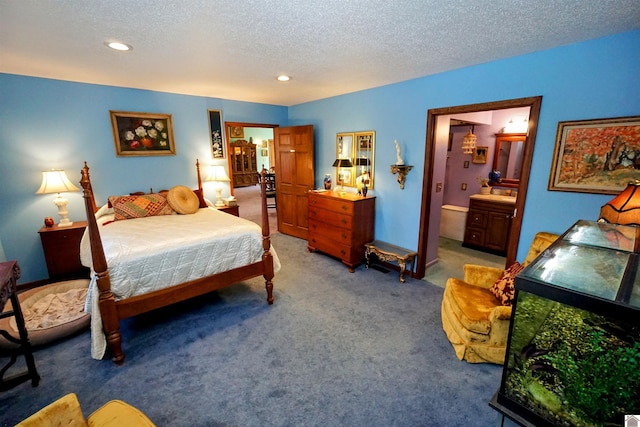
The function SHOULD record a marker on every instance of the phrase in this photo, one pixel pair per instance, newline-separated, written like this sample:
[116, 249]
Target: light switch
[463, 187]
[438, 187]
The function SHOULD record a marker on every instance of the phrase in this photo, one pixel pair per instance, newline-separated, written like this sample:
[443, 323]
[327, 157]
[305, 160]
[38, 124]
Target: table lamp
[218, 175]
[341, 163]
[624, 208]
[56, 181]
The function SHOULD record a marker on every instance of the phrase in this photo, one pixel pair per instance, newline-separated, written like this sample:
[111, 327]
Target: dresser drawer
[340, 235]
[332, 204]
[325, 244]
[332, 218]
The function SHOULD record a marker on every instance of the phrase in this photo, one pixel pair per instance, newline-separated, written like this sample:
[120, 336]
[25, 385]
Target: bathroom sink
[495, 198]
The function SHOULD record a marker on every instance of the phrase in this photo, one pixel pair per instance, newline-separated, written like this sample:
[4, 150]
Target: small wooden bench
[391, 253]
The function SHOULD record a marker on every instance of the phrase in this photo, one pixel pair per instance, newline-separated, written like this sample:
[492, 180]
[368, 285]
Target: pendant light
[469, 142]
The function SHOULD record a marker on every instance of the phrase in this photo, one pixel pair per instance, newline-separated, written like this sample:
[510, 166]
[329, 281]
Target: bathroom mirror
[507, 158]
[359, 148]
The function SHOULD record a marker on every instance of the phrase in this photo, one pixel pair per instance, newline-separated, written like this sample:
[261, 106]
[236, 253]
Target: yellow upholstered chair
[66, 412]
[475, 321]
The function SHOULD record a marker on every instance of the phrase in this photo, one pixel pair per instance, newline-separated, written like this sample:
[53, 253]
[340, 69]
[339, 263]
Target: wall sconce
[218, 175]
[517, 126]
[341, 163]
[399, 167]
[56, 181]
[469, 142]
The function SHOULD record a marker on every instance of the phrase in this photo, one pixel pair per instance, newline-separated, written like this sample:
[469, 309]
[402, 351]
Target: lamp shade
[624, 208]
[342, 163]
[55, 181]
[469, 143]
[362, 161]
[217, 174]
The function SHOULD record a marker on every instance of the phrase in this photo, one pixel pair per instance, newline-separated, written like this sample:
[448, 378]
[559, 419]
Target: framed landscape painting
[596, 156]
[142, 134]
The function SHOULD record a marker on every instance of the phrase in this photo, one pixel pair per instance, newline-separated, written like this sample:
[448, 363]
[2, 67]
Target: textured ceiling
[235, 49]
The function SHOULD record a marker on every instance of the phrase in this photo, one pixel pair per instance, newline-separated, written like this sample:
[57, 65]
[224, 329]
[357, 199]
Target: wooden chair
[270, 189]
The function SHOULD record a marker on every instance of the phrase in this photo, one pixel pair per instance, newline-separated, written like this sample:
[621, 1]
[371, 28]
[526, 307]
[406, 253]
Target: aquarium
[573, 353]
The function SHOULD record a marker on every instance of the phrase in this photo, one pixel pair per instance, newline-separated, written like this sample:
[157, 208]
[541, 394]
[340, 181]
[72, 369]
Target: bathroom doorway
[429, 221]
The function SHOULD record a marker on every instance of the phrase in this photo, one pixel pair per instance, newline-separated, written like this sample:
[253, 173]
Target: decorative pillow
[203, 202]
[503, 288]
[128, 207]
[183, 200]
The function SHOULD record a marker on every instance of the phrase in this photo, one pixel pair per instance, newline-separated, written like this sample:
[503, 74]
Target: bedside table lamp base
[62, 203]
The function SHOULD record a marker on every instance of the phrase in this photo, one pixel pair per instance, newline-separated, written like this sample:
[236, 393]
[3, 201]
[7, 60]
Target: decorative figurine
[48, 222]
[399, 160]
[327, 182]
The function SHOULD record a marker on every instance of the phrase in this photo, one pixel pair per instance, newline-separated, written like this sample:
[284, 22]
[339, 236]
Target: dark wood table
[9, 275]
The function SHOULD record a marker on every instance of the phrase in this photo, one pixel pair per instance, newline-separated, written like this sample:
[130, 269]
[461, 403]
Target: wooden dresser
[340, 225]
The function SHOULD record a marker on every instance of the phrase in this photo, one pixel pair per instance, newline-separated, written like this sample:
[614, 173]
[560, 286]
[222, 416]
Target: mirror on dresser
[359, 147]
[507, 158]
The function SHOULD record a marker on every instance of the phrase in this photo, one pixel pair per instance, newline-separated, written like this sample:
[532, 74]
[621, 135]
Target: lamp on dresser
[56, 181]
[218, 175]
[338, 164]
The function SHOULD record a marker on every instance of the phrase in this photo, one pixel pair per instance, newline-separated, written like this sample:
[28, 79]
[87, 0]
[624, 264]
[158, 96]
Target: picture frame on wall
[596, 156]
[218, 144]
[480, 155]
[142, 134]
[236, 132]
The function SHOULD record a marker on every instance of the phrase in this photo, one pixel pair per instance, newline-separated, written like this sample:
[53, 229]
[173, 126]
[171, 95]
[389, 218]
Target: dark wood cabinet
[61, 247]
[244, 163]
[488, 226]
[340, 225]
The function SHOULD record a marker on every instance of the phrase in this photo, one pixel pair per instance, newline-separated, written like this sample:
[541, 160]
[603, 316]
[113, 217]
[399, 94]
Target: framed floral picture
[218, 144]
[142, 134]
[596, 156]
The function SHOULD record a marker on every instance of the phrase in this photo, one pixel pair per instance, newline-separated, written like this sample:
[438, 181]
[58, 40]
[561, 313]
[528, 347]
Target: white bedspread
[152, 253]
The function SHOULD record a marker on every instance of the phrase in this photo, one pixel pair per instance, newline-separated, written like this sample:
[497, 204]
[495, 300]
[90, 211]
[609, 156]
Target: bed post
[106, 302]
[199, 178]
[267, 258]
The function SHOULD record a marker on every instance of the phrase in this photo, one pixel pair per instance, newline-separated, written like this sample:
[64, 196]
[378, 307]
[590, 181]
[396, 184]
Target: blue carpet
[335, 349]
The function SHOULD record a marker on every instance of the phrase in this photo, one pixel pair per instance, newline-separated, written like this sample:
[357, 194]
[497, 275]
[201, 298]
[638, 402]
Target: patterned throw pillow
[140, 206]
[503, 288]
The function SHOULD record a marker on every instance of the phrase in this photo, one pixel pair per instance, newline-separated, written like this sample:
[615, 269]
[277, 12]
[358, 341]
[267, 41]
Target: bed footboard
[112, 312]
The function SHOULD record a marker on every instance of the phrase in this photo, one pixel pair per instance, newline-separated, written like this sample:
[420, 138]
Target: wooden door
[294, 178]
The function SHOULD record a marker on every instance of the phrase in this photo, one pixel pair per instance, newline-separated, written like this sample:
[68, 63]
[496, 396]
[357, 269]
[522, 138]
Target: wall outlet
[463, 187]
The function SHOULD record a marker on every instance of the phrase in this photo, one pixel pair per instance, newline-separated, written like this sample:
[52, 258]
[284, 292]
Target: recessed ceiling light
[118, 46]
[284, 78]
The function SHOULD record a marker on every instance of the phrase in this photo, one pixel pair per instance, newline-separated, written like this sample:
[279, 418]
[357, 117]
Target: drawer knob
[344, 236]
[344, 221]
[344, 207]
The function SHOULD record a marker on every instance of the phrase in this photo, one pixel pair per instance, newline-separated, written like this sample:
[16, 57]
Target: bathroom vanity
[489, 223]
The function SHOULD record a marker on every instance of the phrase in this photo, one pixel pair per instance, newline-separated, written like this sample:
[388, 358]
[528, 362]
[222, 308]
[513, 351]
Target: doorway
[428, 234]
[260, 135]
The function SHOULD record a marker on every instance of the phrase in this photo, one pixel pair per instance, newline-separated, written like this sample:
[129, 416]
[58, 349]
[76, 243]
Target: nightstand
[233, 210]
[61, 247]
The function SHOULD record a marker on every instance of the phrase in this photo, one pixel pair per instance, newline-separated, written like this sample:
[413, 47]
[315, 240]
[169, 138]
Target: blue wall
[47, 123]
[594, 79]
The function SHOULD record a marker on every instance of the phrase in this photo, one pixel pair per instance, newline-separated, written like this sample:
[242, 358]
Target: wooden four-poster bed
[116, 305]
